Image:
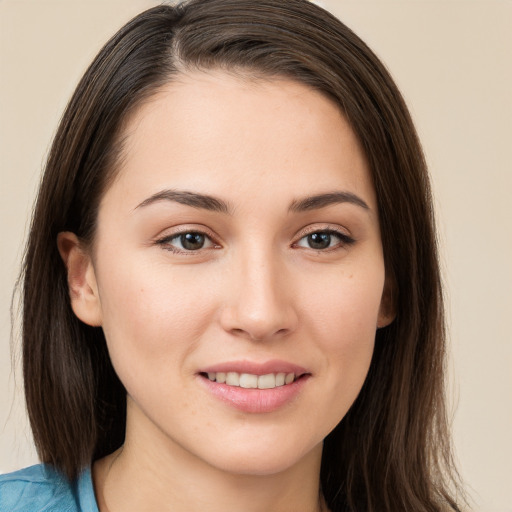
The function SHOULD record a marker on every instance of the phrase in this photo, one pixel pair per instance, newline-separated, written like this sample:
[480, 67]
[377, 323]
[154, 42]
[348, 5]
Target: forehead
[221, 133]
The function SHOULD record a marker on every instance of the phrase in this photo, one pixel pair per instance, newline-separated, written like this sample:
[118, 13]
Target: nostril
[258, 322]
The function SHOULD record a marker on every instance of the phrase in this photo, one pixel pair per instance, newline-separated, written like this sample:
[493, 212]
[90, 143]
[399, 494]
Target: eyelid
[314, 228]
[180, 230]
[346, 239]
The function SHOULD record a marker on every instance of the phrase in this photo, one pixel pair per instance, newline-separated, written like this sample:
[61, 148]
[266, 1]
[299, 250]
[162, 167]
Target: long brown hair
[391, 451]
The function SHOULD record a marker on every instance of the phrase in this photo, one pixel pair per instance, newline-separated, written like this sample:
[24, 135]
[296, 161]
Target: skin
[256, 291]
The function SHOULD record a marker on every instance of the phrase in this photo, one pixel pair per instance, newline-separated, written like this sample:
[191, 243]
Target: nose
[260, 303]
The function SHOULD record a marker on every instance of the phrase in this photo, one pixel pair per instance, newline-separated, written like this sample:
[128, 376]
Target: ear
[387, 310]
[83, 289]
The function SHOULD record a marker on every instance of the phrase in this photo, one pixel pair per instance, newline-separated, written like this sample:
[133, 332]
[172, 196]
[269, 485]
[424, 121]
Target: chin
[264, 460]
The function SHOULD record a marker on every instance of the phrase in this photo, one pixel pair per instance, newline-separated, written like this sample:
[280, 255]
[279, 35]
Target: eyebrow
[193, 199]
[214, 204]
[322, 200]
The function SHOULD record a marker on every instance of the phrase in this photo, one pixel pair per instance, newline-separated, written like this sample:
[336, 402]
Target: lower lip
[256, 400]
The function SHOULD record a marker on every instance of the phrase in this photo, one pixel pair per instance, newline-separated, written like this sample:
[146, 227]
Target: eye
[325, 239]
[187, 241]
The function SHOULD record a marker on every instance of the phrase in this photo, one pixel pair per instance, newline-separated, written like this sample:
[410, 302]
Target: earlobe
[387, 311]
[83, 290]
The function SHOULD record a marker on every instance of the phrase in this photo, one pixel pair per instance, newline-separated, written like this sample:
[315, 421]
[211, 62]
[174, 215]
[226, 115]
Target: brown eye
[326, 239]
[319, 240]
[192, 241]
[186, 242]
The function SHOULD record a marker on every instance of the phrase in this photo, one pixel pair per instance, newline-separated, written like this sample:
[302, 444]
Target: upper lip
[256, 368]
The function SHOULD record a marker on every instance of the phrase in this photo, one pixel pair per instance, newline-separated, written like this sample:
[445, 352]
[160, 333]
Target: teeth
[233, 379]
[267, 381]
[280, 378]
[250, 381]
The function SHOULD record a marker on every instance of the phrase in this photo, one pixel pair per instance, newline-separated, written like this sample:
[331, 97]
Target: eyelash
[166, 242]
[344, 239]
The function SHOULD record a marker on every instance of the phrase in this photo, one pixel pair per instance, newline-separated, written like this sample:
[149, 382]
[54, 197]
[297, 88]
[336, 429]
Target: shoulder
[41, 488]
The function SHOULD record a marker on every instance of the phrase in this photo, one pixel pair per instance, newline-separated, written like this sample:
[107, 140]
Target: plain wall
[452, 60]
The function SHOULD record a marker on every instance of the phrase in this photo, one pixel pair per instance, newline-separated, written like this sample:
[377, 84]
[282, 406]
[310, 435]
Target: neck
[149, 474]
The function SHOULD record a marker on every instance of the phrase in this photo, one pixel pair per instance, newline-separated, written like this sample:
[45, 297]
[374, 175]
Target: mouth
[255, 388]
[253, 381]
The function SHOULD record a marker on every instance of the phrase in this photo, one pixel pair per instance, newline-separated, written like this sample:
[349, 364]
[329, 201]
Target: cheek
[151, 315]
[344, 306]
[344, 322]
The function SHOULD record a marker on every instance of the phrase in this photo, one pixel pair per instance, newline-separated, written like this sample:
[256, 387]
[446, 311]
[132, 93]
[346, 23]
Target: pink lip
[255, 368]
[255, 400]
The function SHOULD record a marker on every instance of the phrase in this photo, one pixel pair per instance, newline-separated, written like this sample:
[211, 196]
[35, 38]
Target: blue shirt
[42, 489]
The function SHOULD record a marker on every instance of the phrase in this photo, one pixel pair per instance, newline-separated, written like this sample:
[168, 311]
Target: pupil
[192, 241]
[319, 240]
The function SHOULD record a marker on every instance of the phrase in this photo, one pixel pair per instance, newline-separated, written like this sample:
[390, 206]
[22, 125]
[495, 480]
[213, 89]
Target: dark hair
[391, 451]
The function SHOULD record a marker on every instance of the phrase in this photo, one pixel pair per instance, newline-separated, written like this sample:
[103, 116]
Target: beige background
[452, 60]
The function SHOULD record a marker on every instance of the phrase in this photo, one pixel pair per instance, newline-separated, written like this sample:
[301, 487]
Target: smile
[251, 381]
[255, 392]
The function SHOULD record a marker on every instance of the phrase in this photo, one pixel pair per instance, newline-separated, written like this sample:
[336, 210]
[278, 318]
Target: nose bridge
[261, 305]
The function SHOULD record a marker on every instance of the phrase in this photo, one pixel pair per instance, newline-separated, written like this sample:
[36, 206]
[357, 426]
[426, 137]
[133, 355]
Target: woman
[231, 290]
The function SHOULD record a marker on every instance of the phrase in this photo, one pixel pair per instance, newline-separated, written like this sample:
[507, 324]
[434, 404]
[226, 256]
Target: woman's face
[239, 242]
